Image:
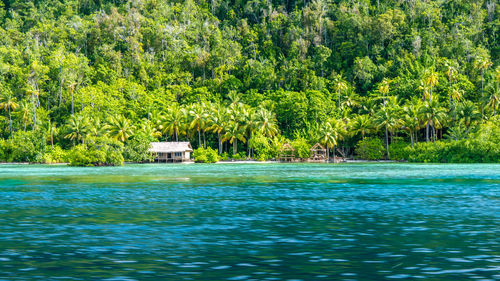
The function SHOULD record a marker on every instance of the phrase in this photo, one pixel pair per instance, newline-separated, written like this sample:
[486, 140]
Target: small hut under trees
[287, 153]
[171, 151]
[318, 153]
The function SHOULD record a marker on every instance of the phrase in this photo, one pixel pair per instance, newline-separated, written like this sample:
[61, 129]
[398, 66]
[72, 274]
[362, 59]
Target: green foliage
[479, 147]
[97, 152]
[224, 156]
[6, 147]
[302, 148]
[137, 148]
[224, 72]
[398, 151]
[24, 147]
[205, 155]
[370, 149]
[54, 155]
[461, 151]
[261, 147]
[239, 156]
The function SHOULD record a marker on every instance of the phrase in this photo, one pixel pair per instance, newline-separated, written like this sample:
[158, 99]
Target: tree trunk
[427, 131]
[411, 137]
[327, 154]
[482, 92]
[34, 110]
[60, 85]
[175, 132]
[220, 143]
[235, 146]
[10, 123]
[199, 137]
[204, 140]
[339, 99]
[333, 154]
[387, 142]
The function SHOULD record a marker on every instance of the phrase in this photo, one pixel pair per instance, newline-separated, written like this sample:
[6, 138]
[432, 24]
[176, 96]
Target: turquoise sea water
[250, 222]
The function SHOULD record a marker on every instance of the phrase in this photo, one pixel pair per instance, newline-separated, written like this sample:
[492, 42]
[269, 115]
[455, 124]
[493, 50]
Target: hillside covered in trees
[406, 79]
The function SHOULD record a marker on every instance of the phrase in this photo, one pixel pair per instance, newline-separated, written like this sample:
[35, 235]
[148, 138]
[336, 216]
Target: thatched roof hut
[287, 153]
[318, 153]
[171, 151]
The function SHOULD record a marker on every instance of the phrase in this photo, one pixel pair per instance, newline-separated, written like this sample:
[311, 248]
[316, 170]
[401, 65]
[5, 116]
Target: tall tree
[234, 132]
[8, 103]
[119, 128]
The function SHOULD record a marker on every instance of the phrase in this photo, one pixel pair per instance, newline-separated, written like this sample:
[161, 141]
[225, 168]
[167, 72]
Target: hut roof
[287, 147]
[318, 147]
[170, 147]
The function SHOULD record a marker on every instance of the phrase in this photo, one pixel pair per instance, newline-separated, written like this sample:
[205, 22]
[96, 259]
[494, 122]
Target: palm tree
[248, 122]
[351, 100]
[96, 128]
[492, 100]
[236, 112]
[383, 88]
[77, 128]
[431, 80]
[327, 137]
[388, 117]
[434, 115]
[234, 132]
[148, 129]
[9, 104]
[32, 91]
[217, 122]
[173, 122]
[482, 63]
[468, 114]
[25, 112]
[53, 131]
[234, 97]
[411, 121]
[266, 123]
[361, 124]
[340, 85]
[455, 95]
[370, 104]
[198, 118]
[119, 128]
[451, 72]
[330, 133]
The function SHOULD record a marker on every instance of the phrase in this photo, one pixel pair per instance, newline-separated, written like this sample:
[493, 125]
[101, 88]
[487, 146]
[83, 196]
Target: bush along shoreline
[478, 146]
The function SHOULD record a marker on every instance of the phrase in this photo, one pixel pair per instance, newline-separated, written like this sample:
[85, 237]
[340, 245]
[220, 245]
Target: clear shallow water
[250, 222]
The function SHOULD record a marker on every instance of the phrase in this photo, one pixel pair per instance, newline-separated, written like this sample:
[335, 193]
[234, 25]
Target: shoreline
[228, 162]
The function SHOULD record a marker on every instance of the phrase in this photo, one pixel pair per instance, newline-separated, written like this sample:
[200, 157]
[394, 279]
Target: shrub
[261, 147]
[137, 149]
[398, 151]
[97, 152]
[460, 151]
[239, 156]
[6, 147]
[205, 155]
[224, 156]
[302, 148]
[54, 155]
[24, 147]
[370, 149]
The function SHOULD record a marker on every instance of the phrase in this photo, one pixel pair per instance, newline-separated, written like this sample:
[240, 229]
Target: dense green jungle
[93, 82]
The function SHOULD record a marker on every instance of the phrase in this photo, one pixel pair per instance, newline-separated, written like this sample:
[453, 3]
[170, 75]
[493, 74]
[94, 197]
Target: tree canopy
[217, 73]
